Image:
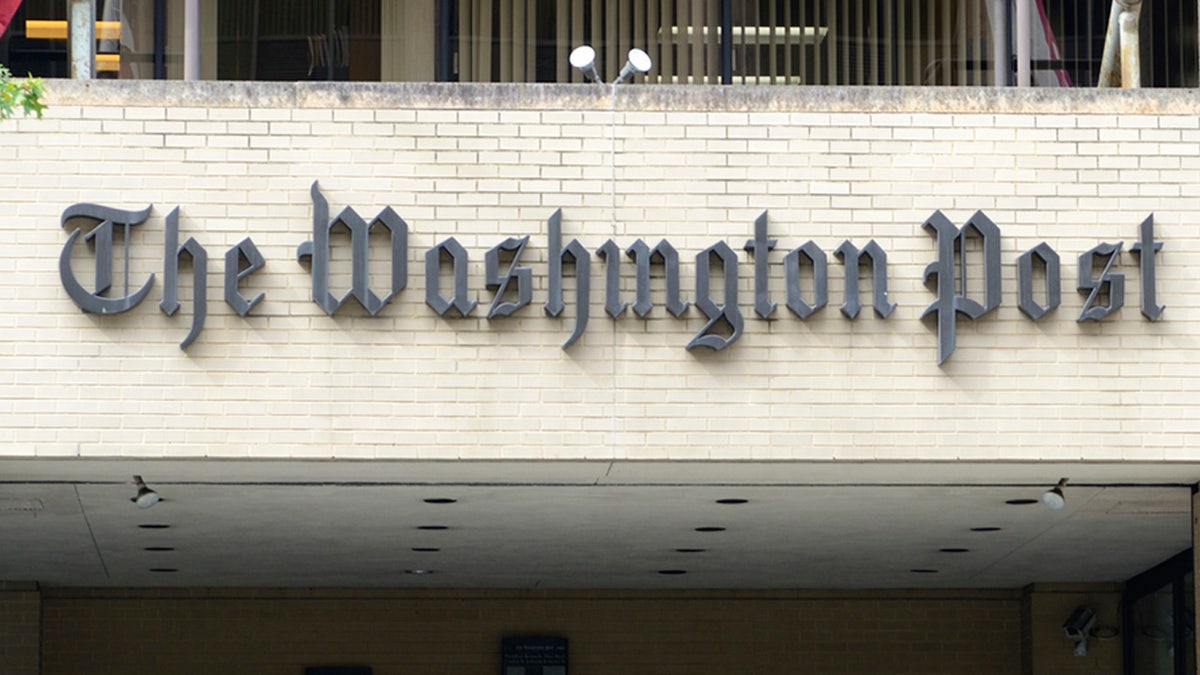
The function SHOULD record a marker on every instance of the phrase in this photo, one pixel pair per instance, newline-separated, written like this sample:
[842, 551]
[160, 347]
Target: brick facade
[694, 166]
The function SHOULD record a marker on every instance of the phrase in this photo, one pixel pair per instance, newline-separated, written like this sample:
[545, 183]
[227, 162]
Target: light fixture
[583, 59]
[1053, 498]
[1078, 627]
[145, 496]
[638, 61]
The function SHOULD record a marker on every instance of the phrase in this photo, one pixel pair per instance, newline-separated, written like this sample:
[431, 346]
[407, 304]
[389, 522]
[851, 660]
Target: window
[1160, 619]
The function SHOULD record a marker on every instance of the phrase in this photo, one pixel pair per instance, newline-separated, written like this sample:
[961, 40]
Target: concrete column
[81, 38]
[1024, 46]
[191, 39]
[20, 628]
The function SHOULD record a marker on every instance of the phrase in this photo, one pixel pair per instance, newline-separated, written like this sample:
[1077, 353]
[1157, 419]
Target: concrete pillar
[20, 628]
[81, 38]
[191, 39]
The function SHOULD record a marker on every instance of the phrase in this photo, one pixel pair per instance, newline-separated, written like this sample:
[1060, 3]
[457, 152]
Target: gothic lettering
[1050, 263]
[317, 250]
[101, 237]
[172, 252]
[951, 299]
[433, 266]
[642, 256]
[245, 251]
[820, 269]
[1110, 284]
[759, 247]
[726, 316]
[583, 278]
[522, 275]
[1146, 249]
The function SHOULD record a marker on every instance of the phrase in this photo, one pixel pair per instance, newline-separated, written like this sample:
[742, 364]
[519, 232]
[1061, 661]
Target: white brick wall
[694, 167]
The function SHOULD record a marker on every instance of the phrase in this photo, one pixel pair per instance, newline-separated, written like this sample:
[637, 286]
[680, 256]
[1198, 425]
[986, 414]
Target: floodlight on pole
[638, 61]
[583, 59]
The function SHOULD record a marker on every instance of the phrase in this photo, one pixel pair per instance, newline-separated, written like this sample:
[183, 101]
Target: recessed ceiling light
[432, 527]
[418, 571]
[1020, 502]
[690, 550]
[154, 526]
[440, 500]
[672, 572]
[710, 529]
[954, 550]
[163, 569]
[923, 571]
[427, 550]
[158, 548]
[986, 529]
[733, 501]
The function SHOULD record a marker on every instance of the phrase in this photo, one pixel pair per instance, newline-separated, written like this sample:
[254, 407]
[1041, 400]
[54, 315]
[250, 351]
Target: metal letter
[820, 266]
[1109, 283]
[523, 275]
[612, 278]
[852, 257]
[728, 313]
[583, 278]
[433, 267]
[245, 250]
[171, 254]
[952, 243]
[1050, 263]
[1146, 249]
[643, 255]
[101, 237]
[759, 247]
[317, 250]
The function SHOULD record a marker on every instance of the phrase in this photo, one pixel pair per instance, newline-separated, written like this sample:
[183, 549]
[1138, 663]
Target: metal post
[445, 50]
[1131, 64]
[191, 39]
[1109, 61]
[1024, 72]
[82, 42]
[727, 42]
[160, 39]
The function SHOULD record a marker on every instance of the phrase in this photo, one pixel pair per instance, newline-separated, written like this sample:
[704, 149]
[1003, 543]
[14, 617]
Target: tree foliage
[23, 96]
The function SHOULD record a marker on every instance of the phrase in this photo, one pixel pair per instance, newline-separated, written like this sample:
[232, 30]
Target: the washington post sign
[960, 252]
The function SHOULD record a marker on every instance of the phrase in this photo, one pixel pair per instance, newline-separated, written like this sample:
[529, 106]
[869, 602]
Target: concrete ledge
[681, 98]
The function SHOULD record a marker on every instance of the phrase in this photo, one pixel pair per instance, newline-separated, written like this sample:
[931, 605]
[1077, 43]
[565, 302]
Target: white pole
[191, 39]
[1024, 72]
[1001, 64]
[82, 42]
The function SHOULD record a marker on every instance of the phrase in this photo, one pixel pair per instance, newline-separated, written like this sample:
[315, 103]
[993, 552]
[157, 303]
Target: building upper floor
[1059, 43]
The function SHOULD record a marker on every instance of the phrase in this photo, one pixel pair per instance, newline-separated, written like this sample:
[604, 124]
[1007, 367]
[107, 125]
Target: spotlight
[145, 496]
[638, 61]
[1053, 498]
[583, 59]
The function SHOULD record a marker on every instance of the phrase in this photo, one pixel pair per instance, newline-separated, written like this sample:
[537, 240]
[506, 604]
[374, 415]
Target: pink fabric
[7, 9]
[1064, 78]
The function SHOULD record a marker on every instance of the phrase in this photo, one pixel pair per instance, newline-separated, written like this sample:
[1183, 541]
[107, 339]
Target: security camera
[1078, 627]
